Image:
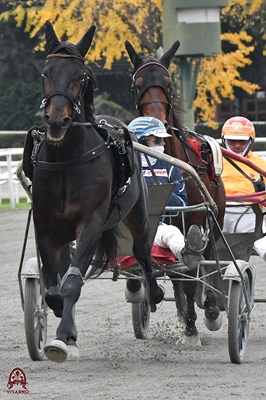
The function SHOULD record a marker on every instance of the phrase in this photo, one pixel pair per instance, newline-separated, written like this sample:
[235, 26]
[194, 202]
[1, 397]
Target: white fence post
[10, 180]
[8, 177]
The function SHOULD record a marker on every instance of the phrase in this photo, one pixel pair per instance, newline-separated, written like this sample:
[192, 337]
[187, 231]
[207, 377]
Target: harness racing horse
[154, 96]
[85, 179]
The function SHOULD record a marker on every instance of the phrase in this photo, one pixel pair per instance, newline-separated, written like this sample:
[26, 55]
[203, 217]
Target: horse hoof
[189, 341]
[214, 325]
[73, 353]
[135, 297]
[56, 351]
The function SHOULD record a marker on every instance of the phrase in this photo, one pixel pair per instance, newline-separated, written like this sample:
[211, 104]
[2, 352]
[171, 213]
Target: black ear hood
[133, 55]
[53, 45]
[137, 61]
[167, 57]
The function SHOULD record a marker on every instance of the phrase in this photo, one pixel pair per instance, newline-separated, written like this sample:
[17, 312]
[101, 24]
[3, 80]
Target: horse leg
[50, 257]
[191, 334]
[52, 296]
[155, 292]
[142, 253]
[66, 335]
[213, 317]
[181, 307]
[135, 291]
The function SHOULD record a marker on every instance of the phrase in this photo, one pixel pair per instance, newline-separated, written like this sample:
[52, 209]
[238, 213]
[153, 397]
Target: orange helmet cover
[238, 128]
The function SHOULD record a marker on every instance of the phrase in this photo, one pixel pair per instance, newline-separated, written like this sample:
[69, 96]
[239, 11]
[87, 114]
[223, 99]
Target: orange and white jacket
[234, 181]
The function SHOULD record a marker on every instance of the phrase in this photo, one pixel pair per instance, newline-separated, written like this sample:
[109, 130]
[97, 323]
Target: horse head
[65, 82]
[151, 83]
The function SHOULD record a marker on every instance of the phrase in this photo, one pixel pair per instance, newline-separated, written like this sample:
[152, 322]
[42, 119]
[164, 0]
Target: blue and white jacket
[167, 173]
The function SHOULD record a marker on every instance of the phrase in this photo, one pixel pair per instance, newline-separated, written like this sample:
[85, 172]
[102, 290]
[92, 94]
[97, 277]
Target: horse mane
[89, 95]
[177, 111]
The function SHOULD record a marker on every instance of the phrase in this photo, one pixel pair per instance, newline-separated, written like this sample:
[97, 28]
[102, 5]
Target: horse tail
[106, 252]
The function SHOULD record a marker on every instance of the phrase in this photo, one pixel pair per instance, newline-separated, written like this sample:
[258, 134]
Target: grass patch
[23, 203]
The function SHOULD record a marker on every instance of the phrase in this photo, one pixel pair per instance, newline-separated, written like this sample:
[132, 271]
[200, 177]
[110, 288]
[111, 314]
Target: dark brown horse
[85, 180]
[154, 96]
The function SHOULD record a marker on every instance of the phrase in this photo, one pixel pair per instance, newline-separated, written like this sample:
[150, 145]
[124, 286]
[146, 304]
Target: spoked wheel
[35, 318]
[238, 322]
[141, 318]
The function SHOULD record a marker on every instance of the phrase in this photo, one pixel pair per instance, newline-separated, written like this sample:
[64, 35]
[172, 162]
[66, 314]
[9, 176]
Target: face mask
[151, 159]
[158, 148]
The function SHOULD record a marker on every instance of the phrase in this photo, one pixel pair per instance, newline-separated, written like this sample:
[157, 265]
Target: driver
[238, 135]
[151, 132]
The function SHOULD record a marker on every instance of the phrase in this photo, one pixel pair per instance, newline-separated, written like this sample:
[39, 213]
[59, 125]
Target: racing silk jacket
[234, 181]
[168, 174]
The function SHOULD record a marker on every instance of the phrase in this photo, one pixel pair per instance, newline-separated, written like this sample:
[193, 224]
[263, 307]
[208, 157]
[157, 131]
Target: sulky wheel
[141, 318]
[35, 318]
[238, 321]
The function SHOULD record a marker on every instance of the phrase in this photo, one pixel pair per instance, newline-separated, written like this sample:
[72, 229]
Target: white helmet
[146, 126]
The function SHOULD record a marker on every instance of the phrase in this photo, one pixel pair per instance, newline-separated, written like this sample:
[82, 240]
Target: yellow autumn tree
[116, 21]
[139, 21]
[221, 74]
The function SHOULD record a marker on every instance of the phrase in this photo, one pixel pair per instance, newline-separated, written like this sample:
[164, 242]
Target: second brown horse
[154, 96]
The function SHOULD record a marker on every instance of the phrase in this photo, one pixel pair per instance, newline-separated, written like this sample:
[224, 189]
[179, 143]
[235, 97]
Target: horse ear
[50, 37]
[134, 57]
[167, 57]
[84, 44]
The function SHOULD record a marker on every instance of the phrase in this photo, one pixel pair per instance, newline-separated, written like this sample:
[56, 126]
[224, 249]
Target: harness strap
[60, 55]
[155, 177]
[238, 168]
[61, 166]
[46, 99]
[75, 104]
[151, 63]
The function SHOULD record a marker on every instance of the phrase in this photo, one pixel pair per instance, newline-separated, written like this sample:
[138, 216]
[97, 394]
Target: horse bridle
[137, 96]
[83, 85]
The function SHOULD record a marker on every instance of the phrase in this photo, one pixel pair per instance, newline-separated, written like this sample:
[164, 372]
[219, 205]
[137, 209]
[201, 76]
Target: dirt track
[113, 364]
